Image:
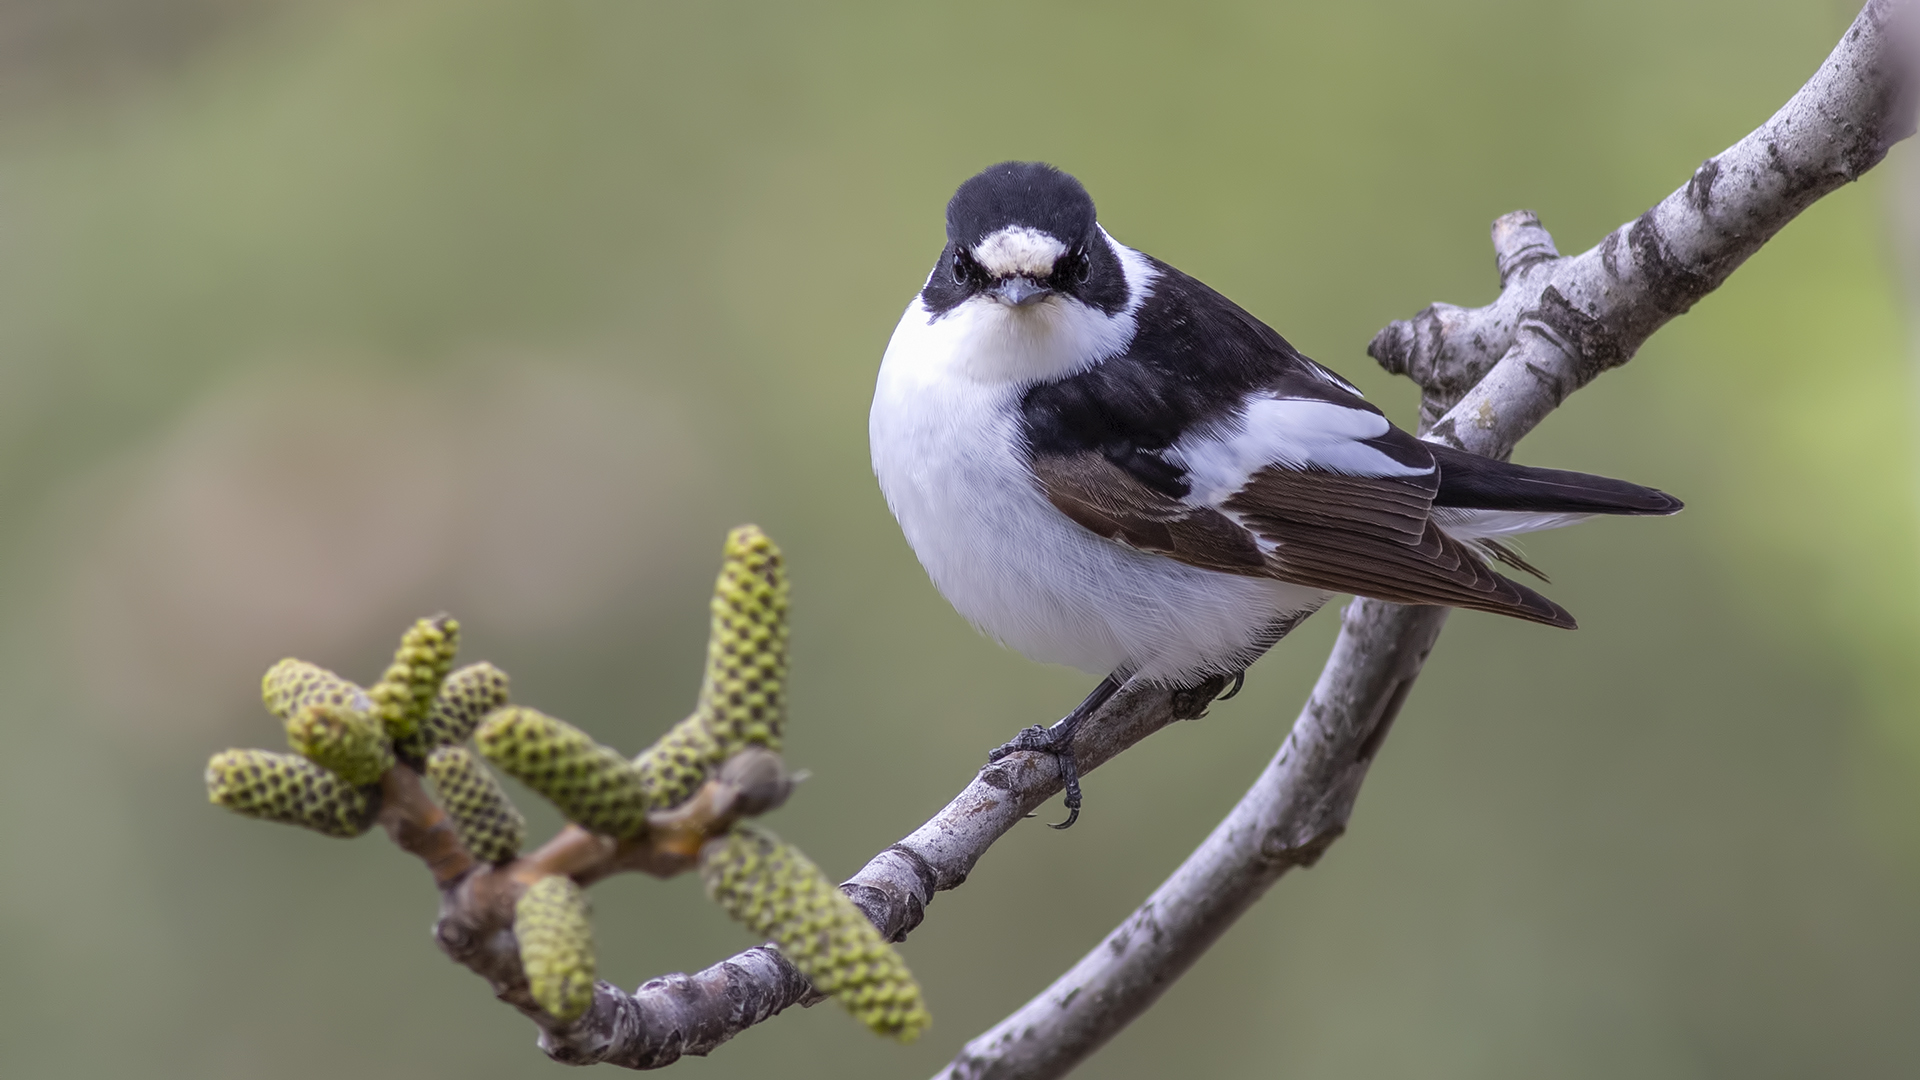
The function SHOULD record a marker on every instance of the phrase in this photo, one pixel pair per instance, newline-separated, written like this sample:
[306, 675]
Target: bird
[1101, 462]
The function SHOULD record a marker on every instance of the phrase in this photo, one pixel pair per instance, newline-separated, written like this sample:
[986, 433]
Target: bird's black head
[1021, 232]
[1028, 194]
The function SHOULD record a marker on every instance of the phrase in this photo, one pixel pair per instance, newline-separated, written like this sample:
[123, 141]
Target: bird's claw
[1041, 740]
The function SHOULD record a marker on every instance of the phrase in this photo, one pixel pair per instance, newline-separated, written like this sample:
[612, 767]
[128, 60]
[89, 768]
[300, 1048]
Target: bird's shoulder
[1188, 327]
[1197, 368]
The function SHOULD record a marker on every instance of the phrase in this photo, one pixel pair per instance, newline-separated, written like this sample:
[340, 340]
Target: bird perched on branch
[1104, 463]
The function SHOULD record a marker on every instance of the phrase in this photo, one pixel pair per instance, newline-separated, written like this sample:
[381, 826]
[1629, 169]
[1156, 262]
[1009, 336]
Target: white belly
[948, 453]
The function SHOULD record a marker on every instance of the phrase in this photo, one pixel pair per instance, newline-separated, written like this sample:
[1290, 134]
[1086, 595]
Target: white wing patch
[1293, 432]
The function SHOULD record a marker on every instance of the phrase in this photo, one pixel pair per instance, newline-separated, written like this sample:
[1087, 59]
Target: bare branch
[1558, 323]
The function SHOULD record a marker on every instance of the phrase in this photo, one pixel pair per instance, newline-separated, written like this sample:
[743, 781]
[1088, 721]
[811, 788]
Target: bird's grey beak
[1020, 292]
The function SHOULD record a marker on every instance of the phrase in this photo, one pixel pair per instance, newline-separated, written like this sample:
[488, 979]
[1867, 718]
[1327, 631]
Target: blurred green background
[315, 317]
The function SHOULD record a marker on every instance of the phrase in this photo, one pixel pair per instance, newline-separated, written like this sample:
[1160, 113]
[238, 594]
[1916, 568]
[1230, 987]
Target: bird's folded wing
[1105, 499]
[1372, 536]
[1367, 535]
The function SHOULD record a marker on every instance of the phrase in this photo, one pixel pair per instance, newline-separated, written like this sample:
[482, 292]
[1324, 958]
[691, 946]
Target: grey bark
[1490, 374]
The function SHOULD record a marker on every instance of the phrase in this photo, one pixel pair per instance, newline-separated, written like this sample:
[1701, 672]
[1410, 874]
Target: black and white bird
[1104, 463]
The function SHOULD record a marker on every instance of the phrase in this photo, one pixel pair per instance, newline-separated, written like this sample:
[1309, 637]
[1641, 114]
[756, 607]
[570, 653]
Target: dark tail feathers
[1471, 482]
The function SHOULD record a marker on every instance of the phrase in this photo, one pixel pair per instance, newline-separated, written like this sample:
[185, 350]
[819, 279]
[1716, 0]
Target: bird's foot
[1056, 741]
[1191, 703]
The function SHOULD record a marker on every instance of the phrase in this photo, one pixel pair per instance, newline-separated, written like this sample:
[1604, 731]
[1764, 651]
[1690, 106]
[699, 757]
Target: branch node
[1423, 349]
[1283, 851]
[1519, 243]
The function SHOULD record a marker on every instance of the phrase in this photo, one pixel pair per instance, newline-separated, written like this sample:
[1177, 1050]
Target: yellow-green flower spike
[592, 785]
[673, 768]
[776, 891]
[465, 699]
[403, 695]
[488, 823]
[341, 740]
[744, 692]
[291, 685]
[743, 695]
[551, 921]
[289, 789]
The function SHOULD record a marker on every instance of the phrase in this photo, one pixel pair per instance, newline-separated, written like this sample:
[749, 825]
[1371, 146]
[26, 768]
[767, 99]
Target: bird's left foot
[1057, 742]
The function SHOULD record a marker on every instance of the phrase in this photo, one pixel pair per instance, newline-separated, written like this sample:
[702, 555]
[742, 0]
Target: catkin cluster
[421, 714]
[346, 739]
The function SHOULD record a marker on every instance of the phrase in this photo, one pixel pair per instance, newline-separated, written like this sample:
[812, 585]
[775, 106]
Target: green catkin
[552, 922]
[776, 891]
[291, 685]
[465, 699]
[341, 740]
[289, 789]
[406, 691]
[673, 768]
[488, 823]
[743, 694]
[593, 786]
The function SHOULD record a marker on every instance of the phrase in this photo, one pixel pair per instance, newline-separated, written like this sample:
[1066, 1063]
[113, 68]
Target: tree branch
[1558, 322]
[1490, 375]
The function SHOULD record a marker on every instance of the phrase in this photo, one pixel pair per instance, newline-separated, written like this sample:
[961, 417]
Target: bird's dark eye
[1074, 270]
[959, 269]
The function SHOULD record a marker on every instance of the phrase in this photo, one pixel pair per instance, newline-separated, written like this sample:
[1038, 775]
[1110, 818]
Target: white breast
[950, 457]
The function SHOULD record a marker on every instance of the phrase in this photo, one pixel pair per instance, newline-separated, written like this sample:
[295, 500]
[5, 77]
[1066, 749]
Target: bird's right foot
[1057, 742]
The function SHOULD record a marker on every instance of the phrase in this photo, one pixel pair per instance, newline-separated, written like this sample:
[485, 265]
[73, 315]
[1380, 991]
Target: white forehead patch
[1018, 249]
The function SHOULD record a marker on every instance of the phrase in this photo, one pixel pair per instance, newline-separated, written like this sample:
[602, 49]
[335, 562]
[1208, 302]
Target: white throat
[986, 341]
